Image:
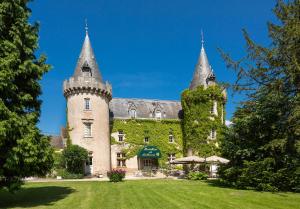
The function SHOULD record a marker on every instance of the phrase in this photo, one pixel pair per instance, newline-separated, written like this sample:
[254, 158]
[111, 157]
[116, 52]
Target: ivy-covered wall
[158, 131]
[198, 121]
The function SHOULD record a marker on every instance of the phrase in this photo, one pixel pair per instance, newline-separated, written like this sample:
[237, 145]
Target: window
[132, 113]
[86, 70]
[214, 109]
[213, 134]
[121, 161]
[87, 129]
[148, 162]
[171, 157]
[89, 162]
[87, 104]
[171, 138]
[146, 139]
[121, 136]
[158, 114]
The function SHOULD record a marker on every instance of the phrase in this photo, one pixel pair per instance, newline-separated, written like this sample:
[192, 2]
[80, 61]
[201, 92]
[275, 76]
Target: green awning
[149, 152]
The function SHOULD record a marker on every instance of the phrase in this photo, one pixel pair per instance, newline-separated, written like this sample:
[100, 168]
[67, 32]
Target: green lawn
[142, 194]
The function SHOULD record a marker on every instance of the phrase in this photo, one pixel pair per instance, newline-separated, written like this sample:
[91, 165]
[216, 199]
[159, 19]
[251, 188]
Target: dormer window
[157, 114]
[131, 110]
[132, 113]
[86, 70]
[157, 111]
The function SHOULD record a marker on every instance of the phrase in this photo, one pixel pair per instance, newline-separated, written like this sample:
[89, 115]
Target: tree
[74, 157]
[24, 150]
[263, 143]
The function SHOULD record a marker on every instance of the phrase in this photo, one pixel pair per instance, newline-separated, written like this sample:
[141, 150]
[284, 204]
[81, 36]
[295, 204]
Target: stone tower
[211, 117]
[88, 111]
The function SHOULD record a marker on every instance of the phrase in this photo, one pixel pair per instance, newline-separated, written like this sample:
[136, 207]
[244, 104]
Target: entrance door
[89, 166]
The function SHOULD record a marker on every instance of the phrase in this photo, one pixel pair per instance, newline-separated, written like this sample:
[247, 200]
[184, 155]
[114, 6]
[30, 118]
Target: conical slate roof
[202, 70]
[87, 59]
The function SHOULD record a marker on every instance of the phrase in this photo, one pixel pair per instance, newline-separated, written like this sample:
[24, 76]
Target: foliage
[24, 151]
[158, 132]
[198, 121]
[263, 142]
[67, 175]
[116, 175]
[58, 160]
[197, 175]
[68, 129]
[74, 158]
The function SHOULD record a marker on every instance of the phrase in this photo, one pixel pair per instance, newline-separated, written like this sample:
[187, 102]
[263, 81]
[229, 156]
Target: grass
[142, 194]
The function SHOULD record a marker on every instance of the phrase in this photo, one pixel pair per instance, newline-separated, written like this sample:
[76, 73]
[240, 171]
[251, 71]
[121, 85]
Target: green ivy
[198, 120]
[158, 131]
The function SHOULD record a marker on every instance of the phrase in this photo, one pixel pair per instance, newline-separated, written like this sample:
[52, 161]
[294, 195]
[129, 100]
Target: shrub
[116, 175]
[197, 176]
[67, 175]
[74, 157]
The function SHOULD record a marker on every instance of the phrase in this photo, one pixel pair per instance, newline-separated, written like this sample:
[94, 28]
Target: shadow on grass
[217, 183]
[34, 196]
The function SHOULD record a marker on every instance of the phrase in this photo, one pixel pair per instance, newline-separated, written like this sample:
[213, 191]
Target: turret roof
[87, 59]
[202, 70]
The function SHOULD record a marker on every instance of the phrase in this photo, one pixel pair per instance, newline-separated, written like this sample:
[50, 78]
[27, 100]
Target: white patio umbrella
[216, 159]
[188, 160]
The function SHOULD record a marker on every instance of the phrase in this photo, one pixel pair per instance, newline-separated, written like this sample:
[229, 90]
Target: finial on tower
[202, 38]
[86, 26]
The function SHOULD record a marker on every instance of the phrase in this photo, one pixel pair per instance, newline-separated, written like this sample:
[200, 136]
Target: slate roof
[145, 108]
[56, 142]
[202, 70]
[87, 59]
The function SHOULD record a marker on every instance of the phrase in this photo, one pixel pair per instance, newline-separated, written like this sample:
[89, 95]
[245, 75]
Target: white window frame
[87, 104]
[87, 132]
[214, 108]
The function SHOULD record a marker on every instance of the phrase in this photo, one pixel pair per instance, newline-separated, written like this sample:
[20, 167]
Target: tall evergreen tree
[24, 151]
[263, 144]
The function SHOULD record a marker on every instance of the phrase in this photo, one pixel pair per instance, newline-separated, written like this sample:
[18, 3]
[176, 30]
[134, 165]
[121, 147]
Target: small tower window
[146, 139]
[214, 109]
[213, 134]
[86, 70]
[87, 129]
[87, 105]
[171, 138]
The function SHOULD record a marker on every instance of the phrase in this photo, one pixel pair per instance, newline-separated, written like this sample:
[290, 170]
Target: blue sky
[145, 49]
